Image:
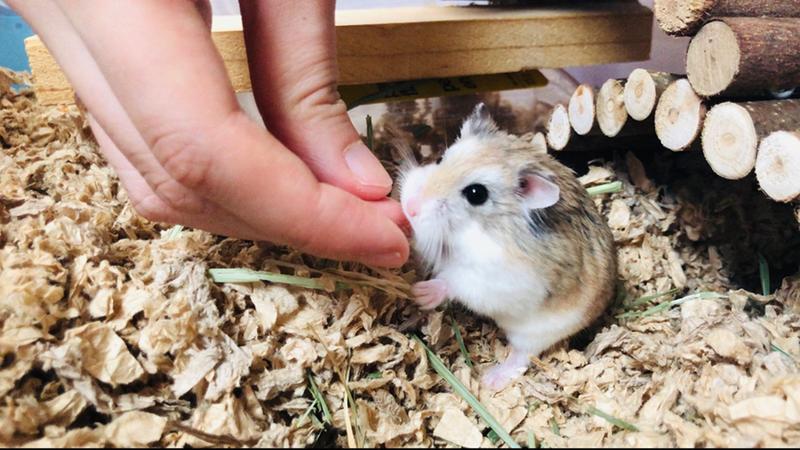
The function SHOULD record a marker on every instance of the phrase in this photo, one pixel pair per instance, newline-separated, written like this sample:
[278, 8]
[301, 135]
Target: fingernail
[366, 167]
[391, 259]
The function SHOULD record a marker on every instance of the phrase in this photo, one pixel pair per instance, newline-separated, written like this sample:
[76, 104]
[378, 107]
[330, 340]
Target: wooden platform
[379, 45]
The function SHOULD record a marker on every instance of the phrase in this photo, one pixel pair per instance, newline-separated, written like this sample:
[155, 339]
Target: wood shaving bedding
[113, 334]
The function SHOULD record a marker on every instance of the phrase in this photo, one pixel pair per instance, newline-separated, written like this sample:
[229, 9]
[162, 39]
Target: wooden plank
[394, 44]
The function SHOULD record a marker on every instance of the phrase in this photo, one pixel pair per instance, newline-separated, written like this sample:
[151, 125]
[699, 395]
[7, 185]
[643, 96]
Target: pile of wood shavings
[112, 332]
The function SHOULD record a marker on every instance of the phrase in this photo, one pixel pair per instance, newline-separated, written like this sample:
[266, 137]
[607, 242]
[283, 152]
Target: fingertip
[348, 228]
[392, 210]
[393, 252]
[392, 259]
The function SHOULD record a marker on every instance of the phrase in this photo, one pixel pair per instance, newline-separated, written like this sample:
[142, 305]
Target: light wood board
[380, 45]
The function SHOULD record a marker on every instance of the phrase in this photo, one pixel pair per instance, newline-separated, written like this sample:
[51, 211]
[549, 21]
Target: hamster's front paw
[429, 294]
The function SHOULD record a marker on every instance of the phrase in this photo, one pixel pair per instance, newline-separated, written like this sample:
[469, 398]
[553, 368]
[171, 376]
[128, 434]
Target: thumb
[323, 136]
[292, 55]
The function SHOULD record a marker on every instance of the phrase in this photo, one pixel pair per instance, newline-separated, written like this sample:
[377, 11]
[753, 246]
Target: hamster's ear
[479, 123]
[537, 191]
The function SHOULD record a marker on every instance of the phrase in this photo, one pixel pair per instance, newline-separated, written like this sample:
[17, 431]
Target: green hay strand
[763, 271]
[250, 276]
[661, 307]
[554, 427]
[607, 188]
[299, 422]
[370, 134]
[461, 344]
[462, 390]
[612, 420]
[648, 298]
[532, 440]
[783, 352]
[312, 386]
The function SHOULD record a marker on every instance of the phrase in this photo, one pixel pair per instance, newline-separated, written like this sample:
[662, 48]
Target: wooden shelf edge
[382, 45]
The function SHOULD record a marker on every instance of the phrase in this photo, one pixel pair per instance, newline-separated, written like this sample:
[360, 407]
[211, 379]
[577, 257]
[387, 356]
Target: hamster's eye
[476, 194]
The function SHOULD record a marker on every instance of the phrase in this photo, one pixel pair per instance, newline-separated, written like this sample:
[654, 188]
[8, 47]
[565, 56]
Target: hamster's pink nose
[412, 206]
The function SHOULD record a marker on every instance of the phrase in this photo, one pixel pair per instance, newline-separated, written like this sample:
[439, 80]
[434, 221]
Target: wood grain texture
[380, 45]
[685, 17]
[582, 111]
[744, 56]
[679, 116]
[732, 132]
[774, 115]
[778, 166]
[612, 116]
[642, 91]
[559, 130]
[610, 107]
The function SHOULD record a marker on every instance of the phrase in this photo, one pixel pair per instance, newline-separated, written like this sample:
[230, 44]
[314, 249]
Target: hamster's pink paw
[429, 294]
[501, 375]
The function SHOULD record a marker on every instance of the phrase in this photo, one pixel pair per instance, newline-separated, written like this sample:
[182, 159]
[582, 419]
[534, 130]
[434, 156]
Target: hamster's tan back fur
[579, 260]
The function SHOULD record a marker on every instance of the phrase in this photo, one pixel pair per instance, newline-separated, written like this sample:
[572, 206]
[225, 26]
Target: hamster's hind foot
[499, 376]
[429, 294]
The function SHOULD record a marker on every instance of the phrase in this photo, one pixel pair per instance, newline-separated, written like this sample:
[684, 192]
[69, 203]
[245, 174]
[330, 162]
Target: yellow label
[363, 94]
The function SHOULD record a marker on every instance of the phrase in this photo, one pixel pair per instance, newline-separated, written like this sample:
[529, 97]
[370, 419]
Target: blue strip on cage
[13, 31]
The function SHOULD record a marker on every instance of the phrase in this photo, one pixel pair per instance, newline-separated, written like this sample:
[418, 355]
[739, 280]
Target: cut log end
[778, 166]
[712, 61]
[581, 109]
[640, 94]
[679, 116]
[558, 128]
[611, 112]
[730, 141]
[680, 18]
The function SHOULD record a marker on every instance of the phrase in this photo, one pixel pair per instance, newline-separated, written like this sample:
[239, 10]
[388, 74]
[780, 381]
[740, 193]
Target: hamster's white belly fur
[480, 275]
[487, 281]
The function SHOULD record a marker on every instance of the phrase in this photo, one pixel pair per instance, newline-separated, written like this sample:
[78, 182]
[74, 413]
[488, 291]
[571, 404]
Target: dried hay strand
[113, 331]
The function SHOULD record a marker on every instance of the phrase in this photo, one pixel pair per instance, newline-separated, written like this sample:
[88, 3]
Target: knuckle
[177, 197]
[184, 157]
[314, 93]
[152, 208]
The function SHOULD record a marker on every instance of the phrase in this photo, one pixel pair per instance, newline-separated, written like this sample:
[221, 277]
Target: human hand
[164, 113]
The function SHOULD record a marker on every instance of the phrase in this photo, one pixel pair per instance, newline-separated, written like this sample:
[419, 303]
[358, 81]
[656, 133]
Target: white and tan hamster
[510, 233]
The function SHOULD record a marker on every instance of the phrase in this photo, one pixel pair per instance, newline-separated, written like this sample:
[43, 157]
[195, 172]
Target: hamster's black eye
[476, 194]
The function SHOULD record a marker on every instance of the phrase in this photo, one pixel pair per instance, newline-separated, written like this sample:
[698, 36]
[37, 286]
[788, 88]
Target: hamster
[510, 233]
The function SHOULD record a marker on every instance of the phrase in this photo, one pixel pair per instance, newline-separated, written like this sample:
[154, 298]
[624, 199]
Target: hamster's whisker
[407, 159]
